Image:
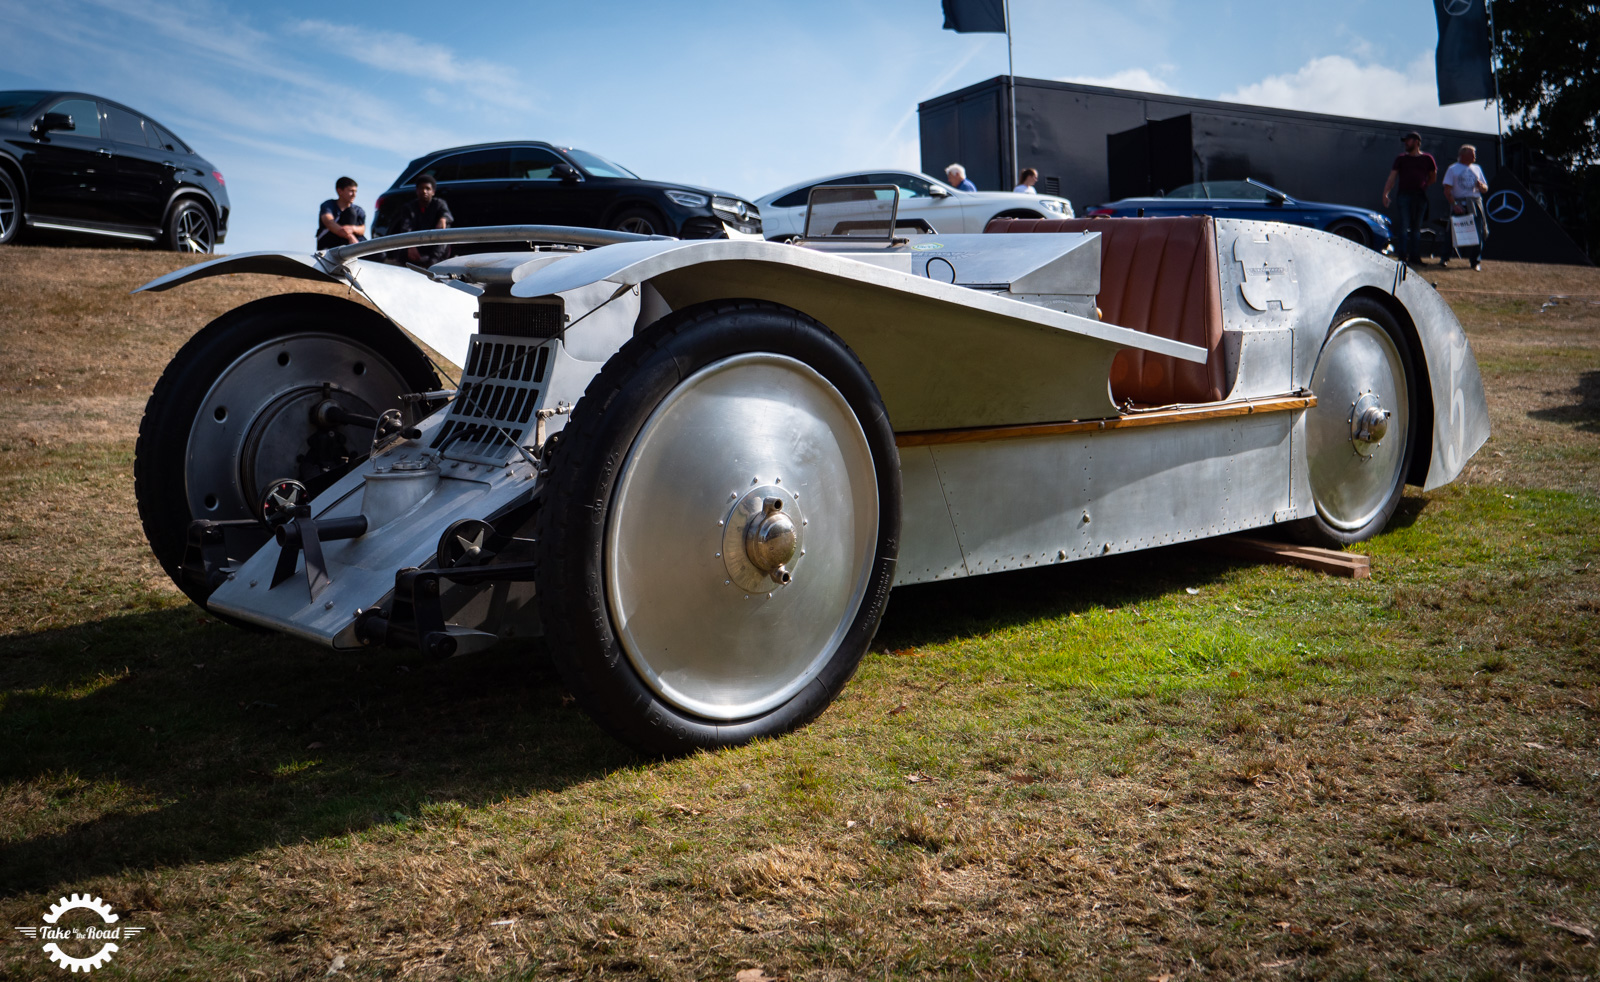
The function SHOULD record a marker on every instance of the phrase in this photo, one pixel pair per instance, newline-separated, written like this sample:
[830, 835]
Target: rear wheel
[250, 401]
[718, 541]
[1361, 434]
[10, 208]
[189, 229]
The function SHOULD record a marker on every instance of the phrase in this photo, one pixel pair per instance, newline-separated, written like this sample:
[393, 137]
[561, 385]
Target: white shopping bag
[1464, 230]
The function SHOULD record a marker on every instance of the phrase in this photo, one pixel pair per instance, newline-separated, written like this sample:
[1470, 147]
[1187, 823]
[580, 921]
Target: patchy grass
[1083, 771]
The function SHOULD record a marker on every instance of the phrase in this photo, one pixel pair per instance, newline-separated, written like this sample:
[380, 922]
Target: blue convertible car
[1256, 201]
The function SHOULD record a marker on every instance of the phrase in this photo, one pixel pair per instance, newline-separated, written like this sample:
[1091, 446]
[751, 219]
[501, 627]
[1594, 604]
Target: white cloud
[403, 54]
[1136, 79]
[1339, 86]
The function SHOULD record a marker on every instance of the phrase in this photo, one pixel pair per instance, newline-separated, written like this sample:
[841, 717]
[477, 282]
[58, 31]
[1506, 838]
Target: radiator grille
[521, 318]
[496, 400]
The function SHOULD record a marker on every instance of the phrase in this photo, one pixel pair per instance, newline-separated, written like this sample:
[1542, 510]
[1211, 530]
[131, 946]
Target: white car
[946, 210]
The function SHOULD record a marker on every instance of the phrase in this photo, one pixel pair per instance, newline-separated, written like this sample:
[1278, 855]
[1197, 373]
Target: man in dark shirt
[341, 221]
[1413, 171]
[425, 212]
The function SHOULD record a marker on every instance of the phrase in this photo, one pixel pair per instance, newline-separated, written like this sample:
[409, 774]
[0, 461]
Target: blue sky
[283, 97]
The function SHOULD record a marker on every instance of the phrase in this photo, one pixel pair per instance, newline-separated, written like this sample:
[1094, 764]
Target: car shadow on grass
[942, 611]
[1584, 412]
[166, 738]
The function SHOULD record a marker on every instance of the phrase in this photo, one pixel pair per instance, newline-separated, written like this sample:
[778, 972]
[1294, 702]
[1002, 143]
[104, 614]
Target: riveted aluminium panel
[1031, 502]
[928, 547]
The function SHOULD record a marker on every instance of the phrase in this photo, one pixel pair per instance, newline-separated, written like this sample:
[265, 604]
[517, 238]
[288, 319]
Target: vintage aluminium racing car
[698, 467]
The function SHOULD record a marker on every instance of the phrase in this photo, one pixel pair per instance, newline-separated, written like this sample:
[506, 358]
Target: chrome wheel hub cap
[740, 536]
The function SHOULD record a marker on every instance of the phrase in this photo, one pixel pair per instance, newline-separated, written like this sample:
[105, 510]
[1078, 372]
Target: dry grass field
[1163, 766]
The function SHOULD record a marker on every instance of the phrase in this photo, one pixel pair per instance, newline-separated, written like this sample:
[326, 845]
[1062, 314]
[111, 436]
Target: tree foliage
[1550, 74]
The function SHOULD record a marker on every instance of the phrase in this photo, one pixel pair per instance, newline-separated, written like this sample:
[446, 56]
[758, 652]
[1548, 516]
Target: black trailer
[1095, 144]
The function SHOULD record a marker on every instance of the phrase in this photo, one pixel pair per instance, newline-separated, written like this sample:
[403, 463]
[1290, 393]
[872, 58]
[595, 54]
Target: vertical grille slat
[498, 394]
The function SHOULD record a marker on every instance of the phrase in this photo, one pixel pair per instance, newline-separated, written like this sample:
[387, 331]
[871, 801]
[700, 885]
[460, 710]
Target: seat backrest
[1158, 276]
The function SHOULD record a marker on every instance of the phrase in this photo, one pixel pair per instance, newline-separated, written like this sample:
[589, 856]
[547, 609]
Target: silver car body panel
[954, 358]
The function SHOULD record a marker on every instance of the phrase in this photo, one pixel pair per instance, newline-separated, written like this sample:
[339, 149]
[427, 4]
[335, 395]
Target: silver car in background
[942, 207]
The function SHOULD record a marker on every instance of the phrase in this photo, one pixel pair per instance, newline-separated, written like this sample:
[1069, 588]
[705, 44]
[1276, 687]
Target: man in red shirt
[1413, 171]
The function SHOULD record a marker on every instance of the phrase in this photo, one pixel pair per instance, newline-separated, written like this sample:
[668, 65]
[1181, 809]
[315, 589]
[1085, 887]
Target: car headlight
[1049, 205]
[741, 211]
[688, 199]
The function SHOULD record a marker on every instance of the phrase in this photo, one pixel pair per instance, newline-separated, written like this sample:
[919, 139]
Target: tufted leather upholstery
[1158, 276]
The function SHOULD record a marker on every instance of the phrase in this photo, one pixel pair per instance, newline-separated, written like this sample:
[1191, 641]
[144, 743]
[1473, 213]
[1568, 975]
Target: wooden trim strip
[1159, 417]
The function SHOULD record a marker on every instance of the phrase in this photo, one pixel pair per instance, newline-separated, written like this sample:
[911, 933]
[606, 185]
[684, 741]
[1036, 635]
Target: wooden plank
[1330, 561]
[1158, 417]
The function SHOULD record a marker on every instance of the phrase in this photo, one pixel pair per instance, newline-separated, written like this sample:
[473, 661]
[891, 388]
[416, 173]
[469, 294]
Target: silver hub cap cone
[257, 419]
[1355, 436]
[752, 471]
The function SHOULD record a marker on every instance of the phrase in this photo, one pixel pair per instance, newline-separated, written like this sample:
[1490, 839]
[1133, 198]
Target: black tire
[598, 461]
[190, 229]
[370, 362]
[10, 208]
[1352, 231]
[641, 221]
[1017, 213]
[1356, 484]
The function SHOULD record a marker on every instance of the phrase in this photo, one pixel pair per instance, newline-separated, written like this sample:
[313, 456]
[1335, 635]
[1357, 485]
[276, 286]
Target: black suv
[72, 162]
[532, 183]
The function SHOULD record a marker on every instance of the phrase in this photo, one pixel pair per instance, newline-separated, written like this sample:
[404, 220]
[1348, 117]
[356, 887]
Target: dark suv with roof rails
[77, 163]
[534, 183]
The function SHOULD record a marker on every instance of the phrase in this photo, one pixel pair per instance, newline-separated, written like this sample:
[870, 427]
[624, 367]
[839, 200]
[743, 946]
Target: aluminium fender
[1327, 270]
[440, 315]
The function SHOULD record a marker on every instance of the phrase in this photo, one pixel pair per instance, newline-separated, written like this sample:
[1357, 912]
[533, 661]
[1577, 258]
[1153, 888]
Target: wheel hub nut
[761, 538]
[1369, 422]
[770, 540]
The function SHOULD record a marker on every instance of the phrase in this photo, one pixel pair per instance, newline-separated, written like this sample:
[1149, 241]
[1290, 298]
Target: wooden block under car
[1330, 561]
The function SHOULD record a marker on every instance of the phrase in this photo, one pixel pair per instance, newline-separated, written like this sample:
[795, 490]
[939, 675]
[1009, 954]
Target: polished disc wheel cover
[256, 421]
[1356, 435]
[740, 537]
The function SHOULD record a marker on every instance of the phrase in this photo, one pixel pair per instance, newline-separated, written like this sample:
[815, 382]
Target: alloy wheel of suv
[640, 221]
[10, 210]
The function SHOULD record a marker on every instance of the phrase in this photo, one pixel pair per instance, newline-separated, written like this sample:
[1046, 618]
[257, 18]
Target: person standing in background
[957, 176]
[1464, 188]
[1027, 179]
[1412, 172]
[341, 221]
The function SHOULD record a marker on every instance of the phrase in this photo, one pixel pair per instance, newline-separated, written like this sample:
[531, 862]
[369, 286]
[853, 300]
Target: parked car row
[73, 162]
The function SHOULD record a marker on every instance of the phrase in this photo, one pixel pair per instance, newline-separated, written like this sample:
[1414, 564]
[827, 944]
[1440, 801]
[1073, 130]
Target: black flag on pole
[1462, 59]
[976, 16]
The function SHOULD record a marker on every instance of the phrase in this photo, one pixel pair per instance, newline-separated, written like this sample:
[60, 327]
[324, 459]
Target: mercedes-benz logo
[1455, 8]
[1505, 206]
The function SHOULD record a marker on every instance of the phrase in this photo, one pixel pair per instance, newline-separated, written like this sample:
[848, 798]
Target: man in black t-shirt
[340, 221]
[425, 212]
[1413, 171]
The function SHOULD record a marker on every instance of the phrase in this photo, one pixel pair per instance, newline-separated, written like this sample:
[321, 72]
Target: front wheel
[261, 394]
[1352, 231]
[640, 221]
[719, 537]
[1361, 434]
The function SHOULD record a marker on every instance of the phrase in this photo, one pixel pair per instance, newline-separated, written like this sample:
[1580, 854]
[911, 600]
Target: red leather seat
[1158, 276]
